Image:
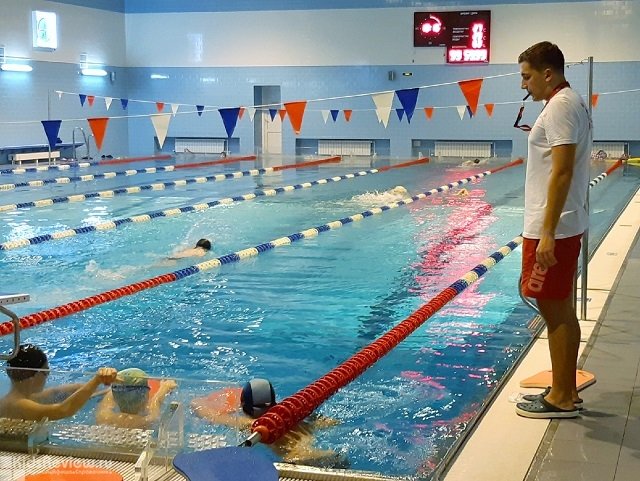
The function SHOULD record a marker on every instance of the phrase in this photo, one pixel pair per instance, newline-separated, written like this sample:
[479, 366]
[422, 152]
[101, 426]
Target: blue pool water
[295, 312]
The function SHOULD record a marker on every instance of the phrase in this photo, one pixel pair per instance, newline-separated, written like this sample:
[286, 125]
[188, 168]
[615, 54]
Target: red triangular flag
[160, 106]
[347, 114]
[428, 111]
[295, 110]
[98, 128]
[594, 100]
[282, 113]
[489, 109]
[91, 99]
[471, 91]
[240, 113]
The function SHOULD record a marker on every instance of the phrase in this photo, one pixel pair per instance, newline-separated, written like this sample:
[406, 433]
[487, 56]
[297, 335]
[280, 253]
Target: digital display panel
[465, 35]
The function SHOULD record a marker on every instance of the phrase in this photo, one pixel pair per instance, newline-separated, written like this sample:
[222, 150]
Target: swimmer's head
[398, 189]
[204, 243]
[131, 390]
[476, 161]
[257, 397]
[26, 363]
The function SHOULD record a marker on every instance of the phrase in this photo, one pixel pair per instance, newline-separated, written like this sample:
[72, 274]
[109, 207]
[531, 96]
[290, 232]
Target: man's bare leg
[564, 341]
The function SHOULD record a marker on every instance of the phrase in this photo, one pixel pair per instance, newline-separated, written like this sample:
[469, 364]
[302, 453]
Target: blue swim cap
[257, 397]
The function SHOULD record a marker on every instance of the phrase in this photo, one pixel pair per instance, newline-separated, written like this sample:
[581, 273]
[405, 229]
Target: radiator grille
[345, 147]
[613, 150]
[200, 146]
[463, 149]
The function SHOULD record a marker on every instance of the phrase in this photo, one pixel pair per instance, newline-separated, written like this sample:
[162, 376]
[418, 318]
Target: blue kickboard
[225, 464]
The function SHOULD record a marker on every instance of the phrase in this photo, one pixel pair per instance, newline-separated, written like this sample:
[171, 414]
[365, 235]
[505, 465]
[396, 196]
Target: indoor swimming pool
[294, 312]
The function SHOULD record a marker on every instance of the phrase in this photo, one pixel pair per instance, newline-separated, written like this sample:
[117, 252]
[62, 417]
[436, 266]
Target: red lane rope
[613, 167]
[329, 160]
[421, 160]
[128, 160]
[206, 163]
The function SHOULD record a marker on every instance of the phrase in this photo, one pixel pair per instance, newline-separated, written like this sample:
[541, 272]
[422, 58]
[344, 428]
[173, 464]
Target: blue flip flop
[541, 409]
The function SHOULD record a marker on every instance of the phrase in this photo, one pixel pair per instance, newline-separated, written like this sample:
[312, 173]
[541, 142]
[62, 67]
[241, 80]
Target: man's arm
[562, 162]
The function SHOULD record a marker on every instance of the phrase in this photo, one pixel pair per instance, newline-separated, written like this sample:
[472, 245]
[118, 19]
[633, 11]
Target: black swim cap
[29, 357]
[257, 397]
[205, 244]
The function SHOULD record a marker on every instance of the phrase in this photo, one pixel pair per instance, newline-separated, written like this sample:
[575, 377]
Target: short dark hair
[205, 244]
[543, 55]
[25, 363]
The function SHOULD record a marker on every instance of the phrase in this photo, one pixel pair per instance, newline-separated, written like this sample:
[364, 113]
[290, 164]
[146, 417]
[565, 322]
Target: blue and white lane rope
[43, 168]
[105, 194]
[15, 244]
[87, 177]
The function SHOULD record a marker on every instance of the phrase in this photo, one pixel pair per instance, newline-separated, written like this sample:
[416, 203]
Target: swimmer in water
[200, 250]
[462, 192]
[239, 407]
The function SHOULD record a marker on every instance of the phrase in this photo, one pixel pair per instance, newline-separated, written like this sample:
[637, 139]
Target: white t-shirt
[563, 121]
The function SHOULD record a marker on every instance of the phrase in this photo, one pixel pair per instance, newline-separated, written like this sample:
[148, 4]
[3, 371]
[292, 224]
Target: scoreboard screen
[465, 35]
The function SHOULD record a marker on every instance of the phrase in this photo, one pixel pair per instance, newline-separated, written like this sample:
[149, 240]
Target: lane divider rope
[147, 217]
[37, 318]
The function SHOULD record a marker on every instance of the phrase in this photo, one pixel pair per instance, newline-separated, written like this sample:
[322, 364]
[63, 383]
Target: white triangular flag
[462, 109]
[325, 115]
[107, 102]
[174, 108]
[59, 94]
[252, 112]
[383, 103]
[161, 125]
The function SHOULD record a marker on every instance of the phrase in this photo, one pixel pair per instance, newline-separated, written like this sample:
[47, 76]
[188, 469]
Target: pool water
[295, 312]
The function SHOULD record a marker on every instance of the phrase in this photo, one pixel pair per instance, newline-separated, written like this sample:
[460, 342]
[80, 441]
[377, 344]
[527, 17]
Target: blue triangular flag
[52, 129]
[400, 113]
[230, 118]
[124, 103]
[83, 97]
[334, 114]
[408, 99]
[273, 113]
[200, 108]
[469, 111]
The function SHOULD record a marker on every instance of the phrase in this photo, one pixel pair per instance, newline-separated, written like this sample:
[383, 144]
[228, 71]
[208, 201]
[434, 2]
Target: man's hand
[544, 252]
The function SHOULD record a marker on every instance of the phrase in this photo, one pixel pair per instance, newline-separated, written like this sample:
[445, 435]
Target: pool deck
[603, 444]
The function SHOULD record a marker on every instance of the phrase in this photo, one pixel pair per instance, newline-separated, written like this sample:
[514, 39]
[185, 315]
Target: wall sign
[465, 35]
[45, 30]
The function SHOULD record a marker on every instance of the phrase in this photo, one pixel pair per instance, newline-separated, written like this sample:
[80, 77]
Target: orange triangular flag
[428, 112]
[240, 113]
[347, 114]
[98, 128]
[471, 91]
[160, 106]
[295, 110]
[489, 109]
[91, 99]
[594, 100]
[282, 113]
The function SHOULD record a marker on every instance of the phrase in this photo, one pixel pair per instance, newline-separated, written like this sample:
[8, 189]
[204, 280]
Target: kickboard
[75, 472]
[584, 379]
[225, 464]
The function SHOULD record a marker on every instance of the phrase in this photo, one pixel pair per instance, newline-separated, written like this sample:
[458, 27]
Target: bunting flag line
[159, 106]
[295, 111]
[51, 129]
[408, 99]
[347, 114]
[98, 128]
[241, 113]
[124, 103]
[107, 102]
[489, 109]
[325, 115]
[428, 111]
[469, 111]
[461, 110]
[282, 113]
[272, 113]
[383, 103]
[400, 112]
[174, 108]
[230, 119]
[252, 113]
[594, 100]
[199, 108]
[471, 91]
[91, 99]
[161, 125]
[59, 95]
[83, 97]
[334, 114]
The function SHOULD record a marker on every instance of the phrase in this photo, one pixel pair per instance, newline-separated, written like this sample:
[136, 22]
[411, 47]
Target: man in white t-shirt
[555, 217]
